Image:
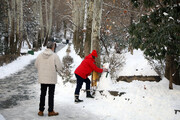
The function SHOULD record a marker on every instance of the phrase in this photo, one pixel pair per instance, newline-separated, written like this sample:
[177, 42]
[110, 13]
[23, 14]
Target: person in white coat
[48, 64]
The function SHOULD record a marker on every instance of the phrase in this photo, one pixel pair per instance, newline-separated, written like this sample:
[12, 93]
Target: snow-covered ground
[141, 101]
[17, 65]
[136, 64]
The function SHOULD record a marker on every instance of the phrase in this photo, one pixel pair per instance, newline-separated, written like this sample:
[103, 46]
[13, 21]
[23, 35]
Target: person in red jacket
[83, 71]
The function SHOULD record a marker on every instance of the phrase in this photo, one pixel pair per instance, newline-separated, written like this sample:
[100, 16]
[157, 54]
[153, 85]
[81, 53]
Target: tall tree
[13, 48]
[47, 24]
[81, 27]
[87, 43]
[35, 10]
[75, 23]
[41, 24]
[78, 21]
[4, 27]
[20, 11]
[96, 25]
[50, 17]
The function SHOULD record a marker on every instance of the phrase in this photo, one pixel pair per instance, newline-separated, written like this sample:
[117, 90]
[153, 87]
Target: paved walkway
[16, 87]
[19, 99]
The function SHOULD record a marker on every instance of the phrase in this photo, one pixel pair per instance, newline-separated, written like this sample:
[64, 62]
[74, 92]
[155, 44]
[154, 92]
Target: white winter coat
[48, 63]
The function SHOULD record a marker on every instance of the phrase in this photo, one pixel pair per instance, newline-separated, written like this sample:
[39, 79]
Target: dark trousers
[50, 97]
[80, 81]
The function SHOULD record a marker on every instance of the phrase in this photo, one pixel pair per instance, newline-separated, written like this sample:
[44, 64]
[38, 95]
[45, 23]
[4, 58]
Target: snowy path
[18, 87]
[19, 95]
[28, 111]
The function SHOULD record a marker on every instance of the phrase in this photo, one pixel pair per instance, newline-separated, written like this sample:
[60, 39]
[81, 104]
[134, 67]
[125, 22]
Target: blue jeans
[80, 81]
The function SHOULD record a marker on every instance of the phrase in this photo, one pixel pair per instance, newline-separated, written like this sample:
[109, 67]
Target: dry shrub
[158, 66]
[115, 61]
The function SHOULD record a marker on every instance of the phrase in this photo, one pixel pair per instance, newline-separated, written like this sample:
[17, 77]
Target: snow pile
[17, 64]
[1, 117]
[136, 64]
[105, 82]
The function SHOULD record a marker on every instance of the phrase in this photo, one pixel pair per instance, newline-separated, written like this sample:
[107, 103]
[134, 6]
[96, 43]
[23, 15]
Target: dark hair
[50, 44]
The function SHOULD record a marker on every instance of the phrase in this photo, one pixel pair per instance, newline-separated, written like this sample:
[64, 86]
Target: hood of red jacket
[90, 57]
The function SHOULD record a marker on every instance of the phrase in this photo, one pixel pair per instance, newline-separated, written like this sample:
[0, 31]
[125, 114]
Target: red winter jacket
[87, 66]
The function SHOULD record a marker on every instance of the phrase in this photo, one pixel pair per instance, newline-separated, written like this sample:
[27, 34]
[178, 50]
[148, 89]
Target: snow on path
[156, 102]
[64, 104]
[19, 64]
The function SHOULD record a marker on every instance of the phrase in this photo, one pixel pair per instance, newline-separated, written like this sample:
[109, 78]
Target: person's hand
[105, 70]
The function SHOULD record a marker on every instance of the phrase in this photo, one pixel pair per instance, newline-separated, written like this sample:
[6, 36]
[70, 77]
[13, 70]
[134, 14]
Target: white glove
[105, 70]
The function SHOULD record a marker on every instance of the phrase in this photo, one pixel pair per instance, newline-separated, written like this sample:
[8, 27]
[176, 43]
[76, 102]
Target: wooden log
[141, 78]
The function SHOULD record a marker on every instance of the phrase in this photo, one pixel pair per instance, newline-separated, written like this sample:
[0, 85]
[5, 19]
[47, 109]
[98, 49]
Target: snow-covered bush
[67, 68]
[158, 66]
[115, 61]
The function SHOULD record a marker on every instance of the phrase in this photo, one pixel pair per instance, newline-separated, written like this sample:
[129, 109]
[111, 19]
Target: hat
[94, 53]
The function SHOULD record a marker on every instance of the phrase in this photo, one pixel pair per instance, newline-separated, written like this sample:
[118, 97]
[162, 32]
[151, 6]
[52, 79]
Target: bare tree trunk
[12, 45]
[171, 73]
[20, 25]
[8, 25]
[130, 48]
[65, 29]
[87, 44]
[41, 23]
[47, 24]
[18, 22]
[36, 11]
[168, 66]
[78, 20]
[48, 21]
[75, 14]
[81, 26]
[50, 17]
[95, 37]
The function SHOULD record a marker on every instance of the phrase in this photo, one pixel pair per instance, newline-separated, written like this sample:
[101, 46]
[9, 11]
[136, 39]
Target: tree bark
[81, 26]
[17, 22]
[75, 14]
[36, 11]
[65, 28]
[50, 17]
[12, 43]
[47, 25]
[168, 66]
[87, 44]
[96, 25]
[41, 39]
[8, 24]
[171, 73]
[20, 10]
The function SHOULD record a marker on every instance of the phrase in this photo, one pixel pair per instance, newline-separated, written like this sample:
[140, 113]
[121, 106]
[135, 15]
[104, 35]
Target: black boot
[77, 100]
[88, 95]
